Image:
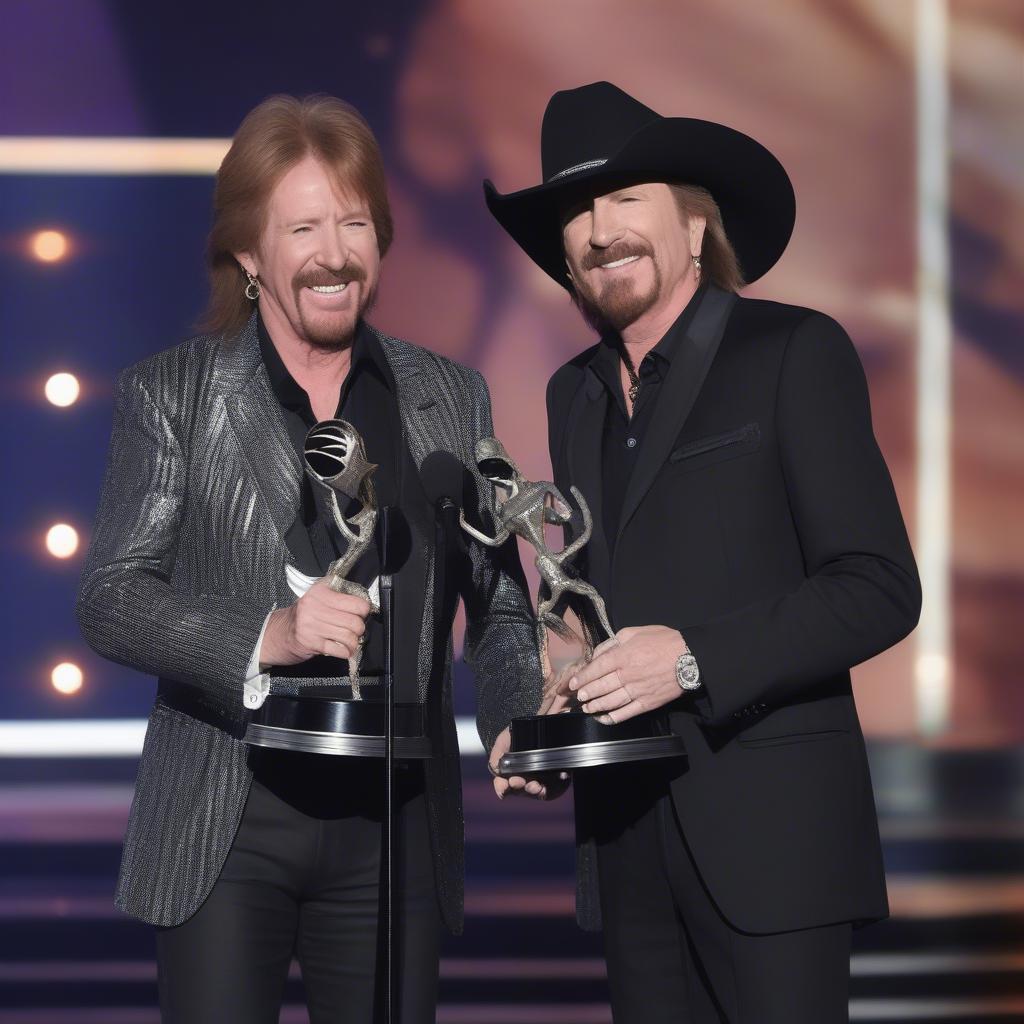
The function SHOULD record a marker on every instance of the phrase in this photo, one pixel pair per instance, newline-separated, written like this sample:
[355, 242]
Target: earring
[696, 262]
[252, 289]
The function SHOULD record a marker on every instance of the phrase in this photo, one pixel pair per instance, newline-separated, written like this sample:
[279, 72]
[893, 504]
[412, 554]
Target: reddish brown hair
[273, 138]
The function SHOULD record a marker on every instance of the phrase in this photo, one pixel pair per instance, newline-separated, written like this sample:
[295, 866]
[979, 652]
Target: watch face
[687, 672]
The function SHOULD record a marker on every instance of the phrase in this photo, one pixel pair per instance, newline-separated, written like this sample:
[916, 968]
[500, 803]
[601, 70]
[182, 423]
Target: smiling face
[317, 262]
[629, 253]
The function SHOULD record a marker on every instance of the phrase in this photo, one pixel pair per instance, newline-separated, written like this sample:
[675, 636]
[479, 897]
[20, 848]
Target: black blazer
[762, 523]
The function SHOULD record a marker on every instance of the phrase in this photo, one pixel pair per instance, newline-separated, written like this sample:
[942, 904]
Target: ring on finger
[623, 700]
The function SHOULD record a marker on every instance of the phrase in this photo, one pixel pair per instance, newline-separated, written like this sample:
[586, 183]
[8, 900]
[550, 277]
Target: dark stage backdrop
[455, 91]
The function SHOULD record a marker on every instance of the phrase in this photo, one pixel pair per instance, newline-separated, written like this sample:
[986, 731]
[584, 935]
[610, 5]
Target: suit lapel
[678, 394]
[418, 412]
[583, 431]
[255, 417]
[417, 401]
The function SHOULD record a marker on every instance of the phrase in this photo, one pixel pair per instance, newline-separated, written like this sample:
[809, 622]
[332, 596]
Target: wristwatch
[687, 672]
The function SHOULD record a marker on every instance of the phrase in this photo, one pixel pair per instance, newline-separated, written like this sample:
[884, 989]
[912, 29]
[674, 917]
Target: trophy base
[346, 728]
[575, 740]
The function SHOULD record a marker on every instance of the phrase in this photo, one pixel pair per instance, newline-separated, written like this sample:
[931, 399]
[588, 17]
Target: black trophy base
[575, 740]
[347, 728]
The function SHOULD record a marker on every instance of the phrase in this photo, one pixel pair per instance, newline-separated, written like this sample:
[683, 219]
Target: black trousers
[672, 957]
[301, 880]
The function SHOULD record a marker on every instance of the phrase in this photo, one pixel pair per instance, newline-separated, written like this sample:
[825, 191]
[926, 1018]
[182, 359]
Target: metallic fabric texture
[187, 558]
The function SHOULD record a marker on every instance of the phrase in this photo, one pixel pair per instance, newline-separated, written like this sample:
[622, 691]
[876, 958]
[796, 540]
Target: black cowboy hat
[598, 138]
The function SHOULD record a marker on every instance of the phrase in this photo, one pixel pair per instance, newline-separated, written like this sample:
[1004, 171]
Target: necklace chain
[634, 379]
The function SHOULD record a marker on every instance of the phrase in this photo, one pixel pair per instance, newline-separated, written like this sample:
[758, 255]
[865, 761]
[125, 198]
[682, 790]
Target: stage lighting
[932, 670]
[62, 389]
[66, 678]
[61, 540]
[49, 246]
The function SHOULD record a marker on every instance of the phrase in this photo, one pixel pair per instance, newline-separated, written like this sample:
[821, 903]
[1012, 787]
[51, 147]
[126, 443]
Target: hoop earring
[696, 262]
[252, 289]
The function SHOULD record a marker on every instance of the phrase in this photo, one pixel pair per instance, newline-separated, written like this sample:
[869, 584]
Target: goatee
[619, 303]
[331, 336]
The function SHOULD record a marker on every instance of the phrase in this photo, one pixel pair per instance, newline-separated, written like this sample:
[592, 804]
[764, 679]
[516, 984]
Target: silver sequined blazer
[187, 557]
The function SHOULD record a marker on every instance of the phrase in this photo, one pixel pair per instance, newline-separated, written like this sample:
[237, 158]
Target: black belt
[198, 703]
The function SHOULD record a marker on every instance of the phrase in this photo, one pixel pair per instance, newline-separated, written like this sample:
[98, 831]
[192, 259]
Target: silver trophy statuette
[560, 742]
[335, 458]
[524, 510]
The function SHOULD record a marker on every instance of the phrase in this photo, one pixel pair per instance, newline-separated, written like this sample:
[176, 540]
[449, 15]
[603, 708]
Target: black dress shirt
[623, 435]
[367, 400]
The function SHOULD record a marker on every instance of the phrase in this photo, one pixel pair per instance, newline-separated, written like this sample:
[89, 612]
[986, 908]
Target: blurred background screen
[900, 124]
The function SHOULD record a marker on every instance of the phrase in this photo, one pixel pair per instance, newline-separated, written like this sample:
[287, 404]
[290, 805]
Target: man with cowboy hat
[750, 548]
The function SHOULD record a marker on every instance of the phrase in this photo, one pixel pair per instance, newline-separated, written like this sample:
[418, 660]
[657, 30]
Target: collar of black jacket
[605, 361]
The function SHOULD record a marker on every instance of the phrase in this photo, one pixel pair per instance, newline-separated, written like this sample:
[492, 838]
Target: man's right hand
[320, 622]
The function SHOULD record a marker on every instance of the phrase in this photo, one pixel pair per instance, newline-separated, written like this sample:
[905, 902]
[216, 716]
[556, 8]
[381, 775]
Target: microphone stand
[445, 512]
[391, 996]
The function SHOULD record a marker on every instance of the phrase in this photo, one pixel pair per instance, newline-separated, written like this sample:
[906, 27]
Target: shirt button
[631, 442]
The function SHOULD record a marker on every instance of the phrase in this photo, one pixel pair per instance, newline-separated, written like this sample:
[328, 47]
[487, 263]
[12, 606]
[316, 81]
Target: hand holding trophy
[335, 457]
[575, 739]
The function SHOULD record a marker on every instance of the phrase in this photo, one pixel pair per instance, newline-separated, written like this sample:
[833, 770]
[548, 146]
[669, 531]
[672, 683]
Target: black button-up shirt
[368, 401]
[623, 436]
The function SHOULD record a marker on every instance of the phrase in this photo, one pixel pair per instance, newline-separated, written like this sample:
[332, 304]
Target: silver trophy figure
[315, 722]
[524, 511]
[571, 740]
[335, 458]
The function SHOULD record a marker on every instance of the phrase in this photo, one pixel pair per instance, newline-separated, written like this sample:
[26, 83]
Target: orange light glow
[49, 246]
[62, 540]
[62, 389]
[66, 678]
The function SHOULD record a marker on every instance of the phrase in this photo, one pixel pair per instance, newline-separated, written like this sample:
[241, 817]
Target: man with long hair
[208, 529]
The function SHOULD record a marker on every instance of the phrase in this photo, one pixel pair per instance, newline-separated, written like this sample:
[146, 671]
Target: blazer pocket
[791, 738]
[718, 447]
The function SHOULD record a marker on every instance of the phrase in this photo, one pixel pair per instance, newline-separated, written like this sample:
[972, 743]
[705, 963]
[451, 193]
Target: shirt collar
[605, 361]
[367, 354]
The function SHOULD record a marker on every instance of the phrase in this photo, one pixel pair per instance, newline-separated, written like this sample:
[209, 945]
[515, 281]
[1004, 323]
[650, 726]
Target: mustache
[596, 257]
[324, 278]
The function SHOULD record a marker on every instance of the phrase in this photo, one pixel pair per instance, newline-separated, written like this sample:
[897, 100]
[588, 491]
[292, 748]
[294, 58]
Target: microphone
[444, 481]
[394, 539]
[384, 542]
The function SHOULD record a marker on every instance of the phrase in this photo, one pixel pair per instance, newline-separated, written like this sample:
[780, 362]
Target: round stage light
[66, 678]
[62, 389]
[61, 540]
[49, 246]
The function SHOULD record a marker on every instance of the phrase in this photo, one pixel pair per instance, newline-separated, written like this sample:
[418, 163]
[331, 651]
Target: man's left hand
[633, 672]
[557, 696]
[541, 786]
